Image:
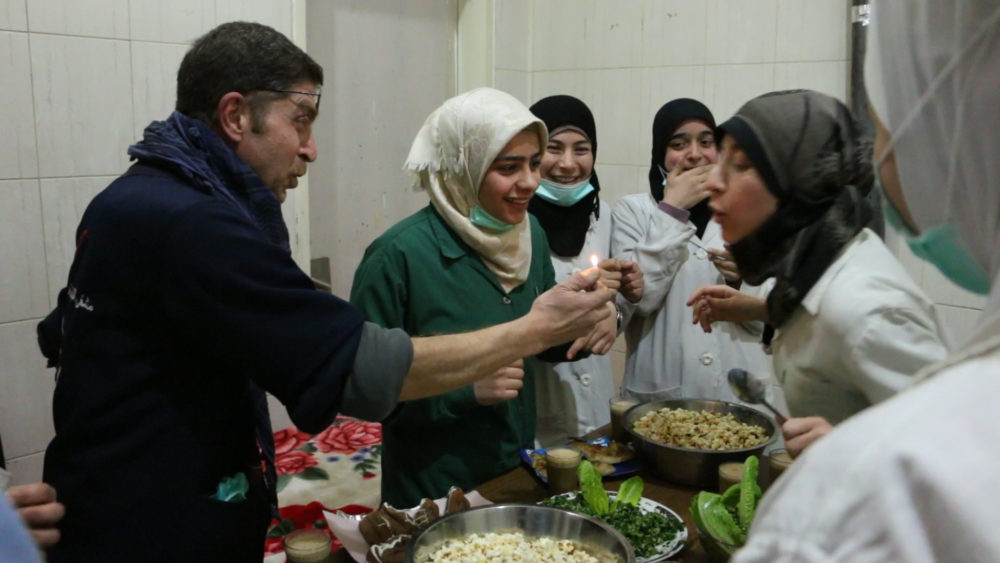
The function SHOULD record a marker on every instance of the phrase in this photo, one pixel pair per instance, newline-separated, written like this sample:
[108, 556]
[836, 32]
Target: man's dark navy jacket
[176, 301]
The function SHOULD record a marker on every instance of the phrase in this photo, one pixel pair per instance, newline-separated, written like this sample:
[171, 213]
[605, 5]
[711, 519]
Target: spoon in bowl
[749, 389]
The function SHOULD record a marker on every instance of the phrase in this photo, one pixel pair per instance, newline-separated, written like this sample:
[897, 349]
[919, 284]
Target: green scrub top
[421, 277]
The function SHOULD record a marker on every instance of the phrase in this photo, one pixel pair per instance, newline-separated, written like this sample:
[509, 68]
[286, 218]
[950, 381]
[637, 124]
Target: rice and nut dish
[503, 547]
[701, 430]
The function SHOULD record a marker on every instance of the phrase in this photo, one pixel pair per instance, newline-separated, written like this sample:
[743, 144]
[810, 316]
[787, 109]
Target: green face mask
[481, 218]
[940, 245]
[563, 195]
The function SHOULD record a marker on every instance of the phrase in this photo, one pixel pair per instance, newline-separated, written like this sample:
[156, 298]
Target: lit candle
[593, 260]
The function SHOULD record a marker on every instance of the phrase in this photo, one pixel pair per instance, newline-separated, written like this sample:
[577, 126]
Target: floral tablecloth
[337, 469]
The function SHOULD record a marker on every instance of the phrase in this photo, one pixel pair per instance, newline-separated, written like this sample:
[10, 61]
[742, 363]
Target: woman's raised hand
[722, 303]
[686, 188]
[632, 281]
[800, 433]
[723, 261]
[501, 385]
[601, 339]
[611, 274]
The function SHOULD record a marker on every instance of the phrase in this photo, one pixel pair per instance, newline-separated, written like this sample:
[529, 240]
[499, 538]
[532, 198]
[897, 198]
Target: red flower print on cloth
[349, 436]
[295, 461]
[289, 439]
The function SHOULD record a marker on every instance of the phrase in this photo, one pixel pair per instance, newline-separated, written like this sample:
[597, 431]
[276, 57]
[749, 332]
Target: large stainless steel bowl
[531, 519]
[694, 467]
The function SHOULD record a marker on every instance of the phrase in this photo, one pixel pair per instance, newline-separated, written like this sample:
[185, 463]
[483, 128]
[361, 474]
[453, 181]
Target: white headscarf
[450, 157]
[933, 76]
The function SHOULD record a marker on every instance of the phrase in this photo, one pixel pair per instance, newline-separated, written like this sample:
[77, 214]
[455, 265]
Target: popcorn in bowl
[502, 547]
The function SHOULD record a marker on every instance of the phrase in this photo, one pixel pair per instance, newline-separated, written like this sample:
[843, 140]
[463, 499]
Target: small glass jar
[561, 465]
[730, 473]
[618, 407]
[779, 460]
[309, 545]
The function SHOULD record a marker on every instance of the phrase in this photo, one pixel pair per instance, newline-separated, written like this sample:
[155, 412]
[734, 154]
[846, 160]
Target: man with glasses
[183, 305]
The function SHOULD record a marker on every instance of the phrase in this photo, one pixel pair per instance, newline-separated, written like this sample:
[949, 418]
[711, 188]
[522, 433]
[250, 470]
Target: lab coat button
[585, 379]
[700, 254]
[706, 359]
[506, 300]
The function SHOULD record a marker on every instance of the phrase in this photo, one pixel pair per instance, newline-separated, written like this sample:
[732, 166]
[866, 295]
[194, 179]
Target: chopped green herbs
[646, 531]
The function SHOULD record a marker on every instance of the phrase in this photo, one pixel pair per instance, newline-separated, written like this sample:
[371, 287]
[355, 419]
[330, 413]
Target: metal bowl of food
[698, 465]
[517, 528]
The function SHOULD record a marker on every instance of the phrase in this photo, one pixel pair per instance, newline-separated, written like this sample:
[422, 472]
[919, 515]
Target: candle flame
[593, 260]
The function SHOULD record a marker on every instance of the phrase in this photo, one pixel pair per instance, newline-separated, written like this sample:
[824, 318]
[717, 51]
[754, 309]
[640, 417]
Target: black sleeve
[242, 302]
[557, 354]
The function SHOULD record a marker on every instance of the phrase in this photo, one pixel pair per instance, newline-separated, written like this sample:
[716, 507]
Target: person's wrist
[674, 211]
[532, 332]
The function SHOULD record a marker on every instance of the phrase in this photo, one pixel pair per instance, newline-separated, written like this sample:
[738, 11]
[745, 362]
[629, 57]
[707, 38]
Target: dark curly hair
[243, 57]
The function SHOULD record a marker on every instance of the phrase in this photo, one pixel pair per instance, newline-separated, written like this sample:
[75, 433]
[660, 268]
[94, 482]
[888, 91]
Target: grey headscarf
[811, 154]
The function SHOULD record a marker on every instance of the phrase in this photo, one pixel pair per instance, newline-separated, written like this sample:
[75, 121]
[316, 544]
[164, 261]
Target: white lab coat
[914, 478]
[668, 356]
[910, 479]
[573, 397]
[858, 336]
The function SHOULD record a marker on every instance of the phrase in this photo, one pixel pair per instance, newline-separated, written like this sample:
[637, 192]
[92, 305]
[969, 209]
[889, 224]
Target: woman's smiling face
[691, 145]
[512, 179]
[568, 158]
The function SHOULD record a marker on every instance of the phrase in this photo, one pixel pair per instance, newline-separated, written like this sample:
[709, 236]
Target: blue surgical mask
[481, 218]
[940, 245]
[562, 194]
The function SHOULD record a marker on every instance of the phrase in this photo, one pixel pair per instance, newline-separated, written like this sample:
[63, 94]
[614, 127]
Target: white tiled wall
[79, 80]
[389, 64]
[625, 59]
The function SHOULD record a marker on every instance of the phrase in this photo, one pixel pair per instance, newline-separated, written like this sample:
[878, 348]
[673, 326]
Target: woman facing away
[851, 327]
[911, 479]
[668, 233]
[472, 258]
[573, 397]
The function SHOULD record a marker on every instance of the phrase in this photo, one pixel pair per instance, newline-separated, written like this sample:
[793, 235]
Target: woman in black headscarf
[573, 397]
[668, 233]
[789, 193]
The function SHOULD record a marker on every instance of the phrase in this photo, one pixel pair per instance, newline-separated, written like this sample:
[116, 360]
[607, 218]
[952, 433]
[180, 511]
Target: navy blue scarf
[191, 149]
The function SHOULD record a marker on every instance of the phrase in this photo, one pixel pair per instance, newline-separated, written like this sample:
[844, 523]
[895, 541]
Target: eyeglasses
[317, 94]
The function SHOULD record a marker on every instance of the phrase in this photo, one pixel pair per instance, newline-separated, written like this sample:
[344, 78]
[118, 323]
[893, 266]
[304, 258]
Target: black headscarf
[813, 157]
[665, 124]
[566, 227]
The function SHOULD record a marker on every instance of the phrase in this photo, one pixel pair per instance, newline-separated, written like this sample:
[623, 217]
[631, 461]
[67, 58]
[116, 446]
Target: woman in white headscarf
[471, 259]
[911, 479]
